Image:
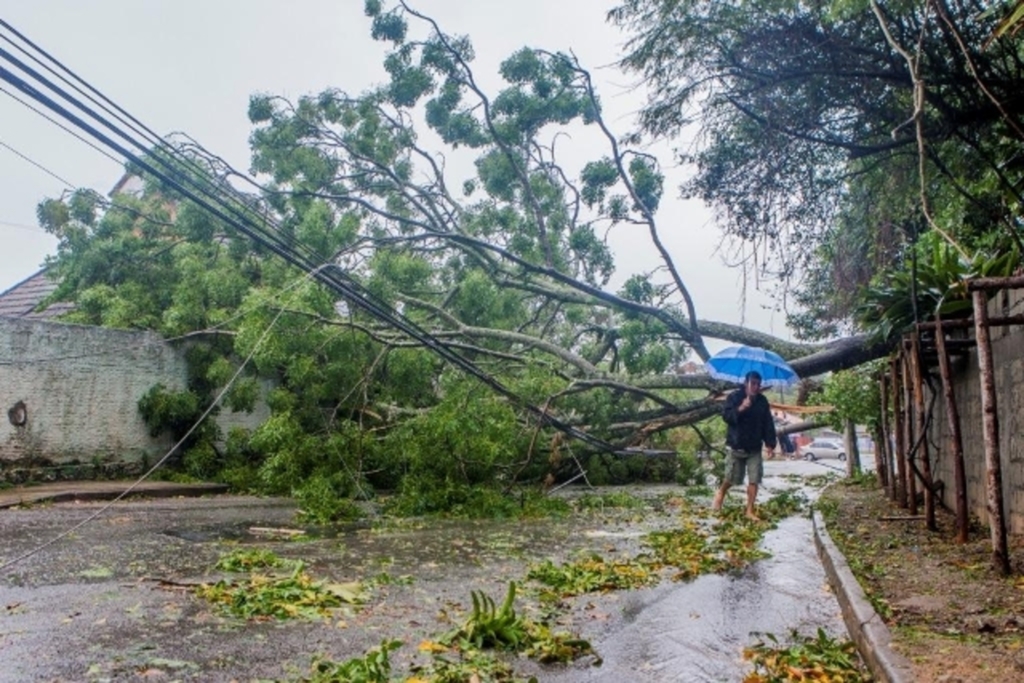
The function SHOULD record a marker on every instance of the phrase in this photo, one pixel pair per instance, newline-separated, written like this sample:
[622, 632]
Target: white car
[824, 448]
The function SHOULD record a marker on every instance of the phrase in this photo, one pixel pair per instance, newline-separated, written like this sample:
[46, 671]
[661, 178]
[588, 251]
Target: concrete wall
[81, 387]
[1008, 352]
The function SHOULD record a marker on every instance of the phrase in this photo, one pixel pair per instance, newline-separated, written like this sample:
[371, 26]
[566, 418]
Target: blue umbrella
[733, 363]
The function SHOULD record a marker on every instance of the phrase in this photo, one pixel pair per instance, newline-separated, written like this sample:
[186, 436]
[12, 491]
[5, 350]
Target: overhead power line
[156, 157]
[35, 163]
[60, 125]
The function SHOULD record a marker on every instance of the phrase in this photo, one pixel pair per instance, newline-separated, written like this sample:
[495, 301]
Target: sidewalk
[60, 491]
[866, 627]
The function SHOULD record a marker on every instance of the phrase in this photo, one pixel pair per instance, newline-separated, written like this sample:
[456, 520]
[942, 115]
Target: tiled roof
[21, 300]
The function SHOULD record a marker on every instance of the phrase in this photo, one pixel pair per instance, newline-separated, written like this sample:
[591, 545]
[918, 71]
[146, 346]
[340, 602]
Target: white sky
[190, 65]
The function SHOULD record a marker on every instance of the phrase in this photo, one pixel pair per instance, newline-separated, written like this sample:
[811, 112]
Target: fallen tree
[492, 251]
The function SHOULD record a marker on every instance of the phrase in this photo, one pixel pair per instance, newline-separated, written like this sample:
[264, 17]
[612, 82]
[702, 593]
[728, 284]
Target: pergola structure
[903, 458]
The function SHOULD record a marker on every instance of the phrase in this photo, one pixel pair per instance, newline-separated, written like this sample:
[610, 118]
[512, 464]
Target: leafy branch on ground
[814, 659]
[246, 560]
[467, 653]
[373, 667]
[591, 575]
[501, 628]
[297, 595]
[698, 545]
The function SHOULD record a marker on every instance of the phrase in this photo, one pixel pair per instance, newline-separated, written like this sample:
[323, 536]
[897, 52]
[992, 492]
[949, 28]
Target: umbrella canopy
[734, 362]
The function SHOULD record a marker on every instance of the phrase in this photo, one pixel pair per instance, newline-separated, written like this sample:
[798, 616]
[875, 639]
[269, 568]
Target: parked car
[824, 448]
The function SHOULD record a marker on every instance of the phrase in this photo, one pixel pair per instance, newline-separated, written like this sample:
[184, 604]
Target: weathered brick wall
[1008, 353]
[81, 388]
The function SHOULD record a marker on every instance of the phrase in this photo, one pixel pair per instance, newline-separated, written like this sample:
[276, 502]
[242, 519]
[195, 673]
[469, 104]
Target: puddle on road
[697, 631]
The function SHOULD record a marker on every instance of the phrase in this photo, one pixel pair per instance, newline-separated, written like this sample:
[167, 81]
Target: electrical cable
[127, 153]
[60, 125]
[144, 148]
[36, 164]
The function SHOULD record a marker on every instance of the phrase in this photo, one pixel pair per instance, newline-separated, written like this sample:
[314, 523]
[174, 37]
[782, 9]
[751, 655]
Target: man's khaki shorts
[744, 463]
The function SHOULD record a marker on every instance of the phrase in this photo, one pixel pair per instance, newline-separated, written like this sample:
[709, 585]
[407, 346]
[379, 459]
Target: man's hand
[746, 404]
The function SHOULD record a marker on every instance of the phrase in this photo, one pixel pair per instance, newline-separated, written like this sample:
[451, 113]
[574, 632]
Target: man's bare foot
[716, 504]
[751, 515]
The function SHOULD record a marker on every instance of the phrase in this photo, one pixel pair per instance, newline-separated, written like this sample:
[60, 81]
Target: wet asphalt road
[90, 607]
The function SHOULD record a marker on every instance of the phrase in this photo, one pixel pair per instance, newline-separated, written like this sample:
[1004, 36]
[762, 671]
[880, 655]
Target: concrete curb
[102, 490]
[866, 628]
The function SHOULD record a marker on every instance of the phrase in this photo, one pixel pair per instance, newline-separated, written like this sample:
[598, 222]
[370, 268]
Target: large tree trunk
[840, 355]
[852, 449]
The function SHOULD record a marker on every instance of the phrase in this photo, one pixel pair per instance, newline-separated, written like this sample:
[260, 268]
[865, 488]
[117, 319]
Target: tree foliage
[854, 396]
[830, 135]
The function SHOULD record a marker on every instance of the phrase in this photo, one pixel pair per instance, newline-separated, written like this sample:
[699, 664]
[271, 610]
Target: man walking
[750, 423]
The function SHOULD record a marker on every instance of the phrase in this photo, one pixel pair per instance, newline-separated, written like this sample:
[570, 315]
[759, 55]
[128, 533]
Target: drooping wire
[136, 151]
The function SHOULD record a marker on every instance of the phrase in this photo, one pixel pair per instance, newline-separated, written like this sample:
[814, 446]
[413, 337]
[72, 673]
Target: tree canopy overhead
[832, 134]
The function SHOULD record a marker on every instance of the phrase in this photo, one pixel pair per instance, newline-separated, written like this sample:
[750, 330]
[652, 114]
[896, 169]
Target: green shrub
[373, 667]
[202, 461]
[597, 472]
[690, 471]
[322, 501]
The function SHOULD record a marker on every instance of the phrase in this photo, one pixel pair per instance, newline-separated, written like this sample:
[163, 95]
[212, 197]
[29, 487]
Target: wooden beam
[898, 433]
[984, 284]
[967, 323]
[908, 432]
[883, 453]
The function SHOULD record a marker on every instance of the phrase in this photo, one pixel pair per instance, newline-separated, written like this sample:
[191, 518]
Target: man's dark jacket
[747, 430]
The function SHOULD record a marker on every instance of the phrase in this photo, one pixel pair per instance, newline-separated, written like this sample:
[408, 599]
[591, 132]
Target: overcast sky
[190, 65]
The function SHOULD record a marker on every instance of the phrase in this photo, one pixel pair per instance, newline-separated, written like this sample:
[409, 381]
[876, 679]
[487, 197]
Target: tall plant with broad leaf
[935, 283]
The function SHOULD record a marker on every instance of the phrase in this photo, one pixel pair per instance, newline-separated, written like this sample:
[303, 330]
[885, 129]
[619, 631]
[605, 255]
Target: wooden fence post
[908, 431]
[898, 433]
[990, 418]
[882, 451]
[921, 437]
[956, 442]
